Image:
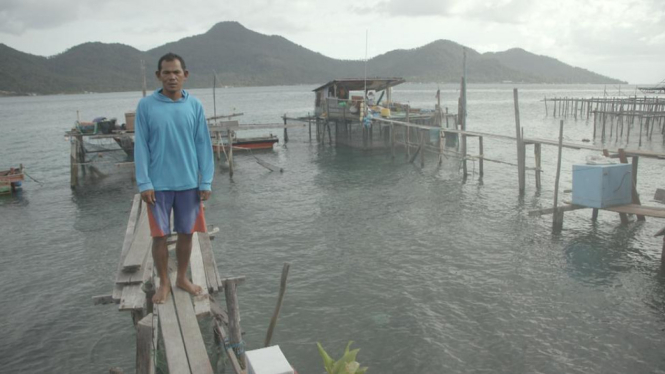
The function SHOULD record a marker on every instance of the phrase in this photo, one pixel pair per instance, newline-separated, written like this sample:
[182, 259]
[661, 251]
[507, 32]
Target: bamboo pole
[280, 299]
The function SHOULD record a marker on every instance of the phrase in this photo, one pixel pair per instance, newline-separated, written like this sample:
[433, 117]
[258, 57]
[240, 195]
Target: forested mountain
[242, 57]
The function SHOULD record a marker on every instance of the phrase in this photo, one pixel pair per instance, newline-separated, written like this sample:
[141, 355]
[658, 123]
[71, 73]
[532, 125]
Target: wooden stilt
[392, 140]
[422, 146]
[520, 145]
[594, 215]
[537, 156]
[557, 222]
[235, 335]
[636, 196]
[286, 134]
[230, 153]
[481, 155]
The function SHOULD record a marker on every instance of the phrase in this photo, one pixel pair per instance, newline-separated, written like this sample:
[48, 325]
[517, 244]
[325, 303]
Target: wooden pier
[613, 117]
[172, 329]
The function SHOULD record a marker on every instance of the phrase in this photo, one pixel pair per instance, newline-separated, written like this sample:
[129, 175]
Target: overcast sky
[622, 39]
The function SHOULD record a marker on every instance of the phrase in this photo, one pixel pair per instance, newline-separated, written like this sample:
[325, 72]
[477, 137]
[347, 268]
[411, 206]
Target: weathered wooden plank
[169, 326]
[199, 363]
[209, 263]
[636, 209]
[140, 244]
[129, 235]
[133, 297]
[563, 208]
[144, 339]
[201, 302]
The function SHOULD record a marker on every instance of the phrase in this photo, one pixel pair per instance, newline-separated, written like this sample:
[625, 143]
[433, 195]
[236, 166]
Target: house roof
[358, 84]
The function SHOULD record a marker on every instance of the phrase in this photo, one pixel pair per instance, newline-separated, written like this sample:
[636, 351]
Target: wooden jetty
[613, 115]
[172, 328]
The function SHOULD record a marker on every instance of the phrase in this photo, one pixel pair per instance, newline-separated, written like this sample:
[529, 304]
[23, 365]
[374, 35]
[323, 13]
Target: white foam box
[269, 360]
[601, 186]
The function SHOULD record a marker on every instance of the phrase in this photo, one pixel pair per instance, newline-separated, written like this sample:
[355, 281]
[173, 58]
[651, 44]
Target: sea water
[426, 272]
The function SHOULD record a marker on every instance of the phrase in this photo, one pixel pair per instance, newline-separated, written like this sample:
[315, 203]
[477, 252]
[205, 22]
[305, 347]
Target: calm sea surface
[424, 272]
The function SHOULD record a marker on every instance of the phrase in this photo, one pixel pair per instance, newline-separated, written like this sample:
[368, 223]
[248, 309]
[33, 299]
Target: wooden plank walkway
[176, 319]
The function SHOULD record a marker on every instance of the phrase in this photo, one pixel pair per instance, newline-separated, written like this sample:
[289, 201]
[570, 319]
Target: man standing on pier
[174, 169]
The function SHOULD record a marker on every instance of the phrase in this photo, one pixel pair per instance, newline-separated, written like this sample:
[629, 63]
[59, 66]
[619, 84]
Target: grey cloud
[17, 16]
[408, 8]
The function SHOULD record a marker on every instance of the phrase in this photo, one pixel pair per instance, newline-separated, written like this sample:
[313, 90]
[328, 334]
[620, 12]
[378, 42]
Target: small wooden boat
[11, 180]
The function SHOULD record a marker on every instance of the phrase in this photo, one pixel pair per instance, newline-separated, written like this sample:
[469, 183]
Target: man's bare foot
[188, 286]
[162, 292]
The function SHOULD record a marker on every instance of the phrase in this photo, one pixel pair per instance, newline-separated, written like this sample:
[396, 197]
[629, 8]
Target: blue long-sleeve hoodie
[172, 147]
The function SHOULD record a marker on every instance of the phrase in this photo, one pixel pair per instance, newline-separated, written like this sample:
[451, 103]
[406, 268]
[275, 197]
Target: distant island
[242, 57]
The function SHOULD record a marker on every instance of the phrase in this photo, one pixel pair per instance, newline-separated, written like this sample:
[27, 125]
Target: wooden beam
[202, 301]
[140, 244]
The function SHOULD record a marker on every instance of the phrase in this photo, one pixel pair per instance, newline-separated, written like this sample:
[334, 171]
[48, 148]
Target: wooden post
[330, 136]
[554, 107]
[557, 222]
[594, 215]
[286, 134]
[520, 146]
[235, 335]
[481, 155]
[280, 298]
[407, 135]
[636, 196]
[144, 339]
[537, 154]
[422, 147]
[73, 159]
[464, 169]
[220, 144]
[229, 133]
[545, 106]
[392, 140]
[318, 135]
[309, 123]
[624, 160]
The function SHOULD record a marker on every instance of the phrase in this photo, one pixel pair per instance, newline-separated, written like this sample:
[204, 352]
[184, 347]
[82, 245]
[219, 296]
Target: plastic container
[385, 112]
[602, 186]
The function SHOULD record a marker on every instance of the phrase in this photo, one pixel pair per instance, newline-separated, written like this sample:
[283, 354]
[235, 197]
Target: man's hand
[148, 196]
[204, 195]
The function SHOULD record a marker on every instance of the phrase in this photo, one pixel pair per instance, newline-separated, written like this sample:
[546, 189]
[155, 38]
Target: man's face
[172, 76]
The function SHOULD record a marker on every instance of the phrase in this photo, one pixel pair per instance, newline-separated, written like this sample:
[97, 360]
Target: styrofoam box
[269, 360]
[602, 186]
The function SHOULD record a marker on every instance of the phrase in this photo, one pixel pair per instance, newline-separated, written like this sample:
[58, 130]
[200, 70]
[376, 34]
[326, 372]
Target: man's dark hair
[171, 57]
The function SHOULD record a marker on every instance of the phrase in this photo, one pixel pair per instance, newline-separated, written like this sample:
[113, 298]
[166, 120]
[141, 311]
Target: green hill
[242, 57]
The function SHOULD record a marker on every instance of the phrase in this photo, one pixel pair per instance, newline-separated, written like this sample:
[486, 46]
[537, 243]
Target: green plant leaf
[362, 370]
[328, 362]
